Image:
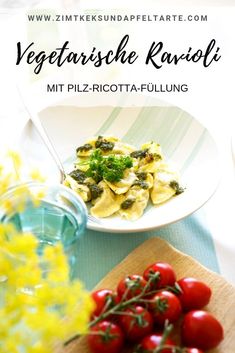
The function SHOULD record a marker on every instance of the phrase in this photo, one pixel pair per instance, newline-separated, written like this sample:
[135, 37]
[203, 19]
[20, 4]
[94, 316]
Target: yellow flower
[38, 309]
[10, 346]
[16, 161]
[15, 157]
[8, 206]
[5, 182]
[37, 197]
[56, 262]
[36, 175]
[11, 173]
[39, 348]
[5, 231]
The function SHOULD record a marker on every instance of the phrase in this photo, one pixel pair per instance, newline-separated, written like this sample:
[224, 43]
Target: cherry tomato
[131, 286]
[165, 306]
[151, 342]
[192, 350]
[202, 330]
[110, 339]
[136, 327]
[162, 275]
[195, 294]
[104, 300]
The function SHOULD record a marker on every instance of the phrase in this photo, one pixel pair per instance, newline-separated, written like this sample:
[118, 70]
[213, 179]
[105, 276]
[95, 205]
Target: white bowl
[185, 143]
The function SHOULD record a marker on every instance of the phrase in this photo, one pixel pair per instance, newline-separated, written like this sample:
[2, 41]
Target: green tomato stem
[124, 303]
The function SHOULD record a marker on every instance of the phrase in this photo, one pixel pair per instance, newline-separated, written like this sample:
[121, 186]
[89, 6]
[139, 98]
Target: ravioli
[122, 186]
[152, 147]
[139, 199]
[93, 143]
[122, 148]
[149, 180]
[122, 178]
[150, 162]
[149, 167]
[107, 204]
[144, 180]
[81, 189]
[162, 191]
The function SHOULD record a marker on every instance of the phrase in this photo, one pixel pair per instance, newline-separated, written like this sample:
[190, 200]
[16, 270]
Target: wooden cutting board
[222, 303]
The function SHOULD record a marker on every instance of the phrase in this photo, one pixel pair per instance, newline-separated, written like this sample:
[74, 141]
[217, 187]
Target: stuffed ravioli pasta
[118, 179]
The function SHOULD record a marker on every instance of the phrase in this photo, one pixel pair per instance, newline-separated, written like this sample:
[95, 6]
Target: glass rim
[75, 197]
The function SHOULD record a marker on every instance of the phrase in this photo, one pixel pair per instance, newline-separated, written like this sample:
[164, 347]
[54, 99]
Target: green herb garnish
[110, 168]
[175, 185]
[103, 144]
[141, 175]
[78, 175]
[139, 154]
[141, 183]
[95, 190]
[157, 156]
[127, 203]
[84, 148]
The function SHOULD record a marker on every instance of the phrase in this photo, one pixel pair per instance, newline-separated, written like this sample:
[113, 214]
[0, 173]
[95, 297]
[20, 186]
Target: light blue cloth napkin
[99, 252]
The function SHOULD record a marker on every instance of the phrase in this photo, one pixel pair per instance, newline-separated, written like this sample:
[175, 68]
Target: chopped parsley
[110, 168]
[175, 185]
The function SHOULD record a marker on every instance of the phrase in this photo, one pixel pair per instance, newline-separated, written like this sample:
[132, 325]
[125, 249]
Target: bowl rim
[101, 226]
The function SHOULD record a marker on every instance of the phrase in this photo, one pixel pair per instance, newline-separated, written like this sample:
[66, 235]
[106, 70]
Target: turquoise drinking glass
[53, 213]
